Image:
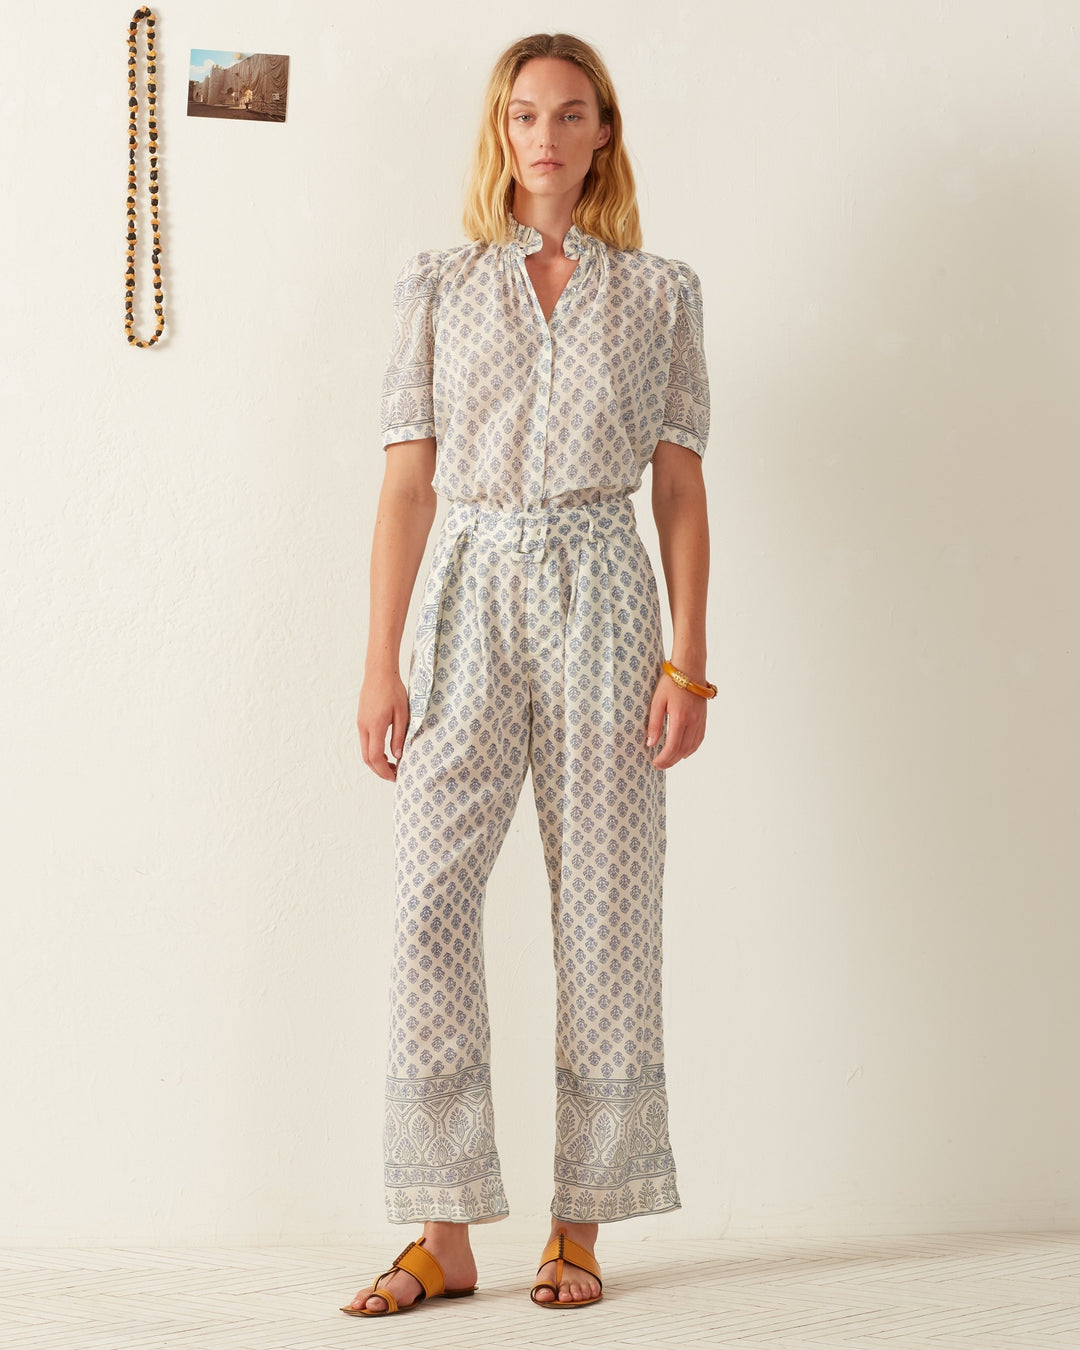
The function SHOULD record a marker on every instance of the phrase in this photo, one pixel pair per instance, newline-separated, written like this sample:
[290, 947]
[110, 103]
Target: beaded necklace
[151, 123]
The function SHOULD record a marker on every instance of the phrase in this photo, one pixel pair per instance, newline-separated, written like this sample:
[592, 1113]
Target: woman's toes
[576, 1287]
[401, 1284]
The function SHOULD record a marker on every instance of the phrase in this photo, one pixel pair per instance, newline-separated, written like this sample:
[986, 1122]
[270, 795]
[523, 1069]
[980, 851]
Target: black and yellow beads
[133, 105]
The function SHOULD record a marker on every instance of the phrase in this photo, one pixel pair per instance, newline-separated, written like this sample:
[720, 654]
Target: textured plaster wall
[871, 908]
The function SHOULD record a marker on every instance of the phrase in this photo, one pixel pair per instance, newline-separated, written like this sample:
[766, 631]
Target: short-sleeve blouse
[529, 413]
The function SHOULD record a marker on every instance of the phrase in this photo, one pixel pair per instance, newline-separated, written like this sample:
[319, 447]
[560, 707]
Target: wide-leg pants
[539, 645]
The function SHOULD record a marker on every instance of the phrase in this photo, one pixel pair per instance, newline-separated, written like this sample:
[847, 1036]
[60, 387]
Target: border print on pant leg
[439, 1149]
[613, 1158]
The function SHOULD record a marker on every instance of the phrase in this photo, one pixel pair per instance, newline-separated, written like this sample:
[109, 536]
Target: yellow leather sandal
[423, 1266]
[561, 1248]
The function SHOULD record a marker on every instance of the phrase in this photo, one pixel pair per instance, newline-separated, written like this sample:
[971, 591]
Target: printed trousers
[538, 646]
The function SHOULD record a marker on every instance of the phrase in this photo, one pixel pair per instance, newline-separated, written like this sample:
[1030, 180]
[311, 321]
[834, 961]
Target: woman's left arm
[682, 523]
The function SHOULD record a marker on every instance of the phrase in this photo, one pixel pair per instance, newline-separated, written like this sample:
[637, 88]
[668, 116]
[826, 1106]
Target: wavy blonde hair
[607, 207]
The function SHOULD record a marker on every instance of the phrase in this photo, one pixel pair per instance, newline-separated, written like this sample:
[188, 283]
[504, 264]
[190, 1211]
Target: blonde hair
[607, 207]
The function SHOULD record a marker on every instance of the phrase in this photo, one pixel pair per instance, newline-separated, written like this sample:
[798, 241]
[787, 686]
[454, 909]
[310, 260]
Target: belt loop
[529, 520]
[595, 533]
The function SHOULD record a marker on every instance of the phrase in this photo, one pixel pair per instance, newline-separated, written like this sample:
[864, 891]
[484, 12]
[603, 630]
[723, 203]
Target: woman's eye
[518, 117]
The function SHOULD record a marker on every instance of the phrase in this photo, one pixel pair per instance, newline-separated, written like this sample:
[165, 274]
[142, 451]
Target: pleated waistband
[529, 531]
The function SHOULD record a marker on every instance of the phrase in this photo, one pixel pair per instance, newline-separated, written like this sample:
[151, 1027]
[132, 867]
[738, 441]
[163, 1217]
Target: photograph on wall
[246, 86]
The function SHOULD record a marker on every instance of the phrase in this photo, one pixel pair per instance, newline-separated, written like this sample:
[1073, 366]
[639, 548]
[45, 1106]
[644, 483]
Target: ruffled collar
[575, 245]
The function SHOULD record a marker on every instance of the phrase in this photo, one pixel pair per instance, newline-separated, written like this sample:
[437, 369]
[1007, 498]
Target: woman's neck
[551, 216]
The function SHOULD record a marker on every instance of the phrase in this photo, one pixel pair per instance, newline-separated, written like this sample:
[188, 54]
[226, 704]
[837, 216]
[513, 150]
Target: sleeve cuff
[418, 431]
[680, 436]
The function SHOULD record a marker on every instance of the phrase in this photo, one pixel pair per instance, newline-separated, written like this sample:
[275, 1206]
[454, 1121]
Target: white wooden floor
[996, 1291]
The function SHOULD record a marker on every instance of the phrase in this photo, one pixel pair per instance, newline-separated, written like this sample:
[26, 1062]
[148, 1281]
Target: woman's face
[553, 123]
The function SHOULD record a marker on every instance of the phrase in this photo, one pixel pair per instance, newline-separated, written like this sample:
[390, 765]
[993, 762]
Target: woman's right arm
[406, 510]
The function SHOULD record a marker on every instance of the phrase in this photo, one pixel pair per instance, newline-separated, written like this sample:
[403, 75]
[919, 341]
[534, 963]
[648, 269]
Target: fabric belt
[526, 533]
[523, 534]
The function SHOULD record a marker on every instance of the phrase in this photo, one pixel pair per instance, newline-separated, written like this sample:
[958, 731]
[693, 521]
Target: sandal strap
[423, 1267]
[562, 1248]
[388, 1294]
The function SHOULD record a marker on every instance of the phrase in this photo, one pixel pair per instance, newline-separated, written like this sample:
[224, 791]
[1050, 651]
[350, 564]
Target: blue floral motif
[529, 618]
[529, 411]
[537, 649]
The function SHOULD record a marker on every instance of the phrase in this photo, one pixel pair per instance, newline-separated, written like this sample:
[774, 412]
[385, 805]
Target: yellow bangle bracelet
[705, 690]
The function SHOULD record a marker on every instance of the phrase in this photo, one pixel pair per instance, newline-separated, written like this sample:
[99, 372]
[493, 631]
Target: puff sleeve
[686, 407]
[408, 411]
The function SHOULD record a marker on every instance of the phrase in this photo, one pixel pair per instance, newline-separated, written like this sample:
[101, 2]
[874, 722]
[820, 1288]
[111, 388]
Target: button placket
[575, 245]
[543, 393]
[536, 469]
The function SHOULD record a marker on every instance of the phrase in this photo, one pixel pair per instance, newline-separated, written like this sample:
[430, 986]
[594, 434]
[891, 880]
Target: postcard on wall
[246, 86]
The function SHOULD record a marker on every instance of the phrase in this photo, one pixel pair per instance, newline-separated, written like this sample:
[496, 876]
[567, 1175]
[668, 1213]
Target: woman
[535, 372]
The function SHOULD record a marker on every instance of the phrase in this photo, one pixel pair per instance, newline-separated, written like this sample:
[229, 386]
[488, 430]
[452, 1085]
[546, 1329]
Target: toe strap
[422, 1266]
[388, 1294]
[561, 1248]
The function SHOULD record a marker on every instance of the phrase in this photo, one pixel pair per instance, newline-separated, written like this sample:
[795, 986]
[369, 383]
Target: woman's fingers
[685, 726]
[657, 709]
[373, 748]
[671, 752]
[398, 730]
[374, 719]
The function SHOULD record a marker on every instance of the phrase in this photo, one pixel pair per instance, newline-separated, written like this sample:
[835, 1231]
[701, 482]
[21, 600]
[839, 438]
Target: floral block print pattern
[540, 653]
[440, 1149]
[530, 412]
[612, 1155]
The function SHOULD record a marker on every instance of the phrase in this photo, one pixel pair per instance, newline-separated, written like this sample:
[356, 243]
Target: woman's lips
[547, 164]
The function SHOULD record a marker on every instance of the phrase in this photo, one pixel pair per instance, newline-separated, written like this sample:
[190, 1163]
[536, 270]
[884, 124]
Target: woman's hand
[682, 523]
[406, 510]
[384, 705]
[685, 718]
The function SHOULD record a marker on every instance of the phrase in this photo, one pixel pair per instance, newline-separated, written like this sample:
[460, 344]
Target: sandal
[425, 1269]
[562, 1248]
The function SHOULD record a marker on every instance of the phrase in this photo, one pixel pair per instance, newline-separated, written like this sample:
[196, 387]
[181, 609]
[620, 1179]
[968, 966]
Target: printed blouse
[527, 412]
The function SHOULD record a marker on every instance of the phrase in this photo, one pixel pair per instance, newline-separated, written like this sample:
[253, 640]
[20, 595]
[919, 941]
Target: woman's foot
[576, 1284]
[448, 1243]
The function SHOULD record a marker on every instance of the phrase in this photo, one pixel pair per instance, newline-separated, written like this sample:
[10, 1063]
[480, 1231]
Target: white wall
[871, 919]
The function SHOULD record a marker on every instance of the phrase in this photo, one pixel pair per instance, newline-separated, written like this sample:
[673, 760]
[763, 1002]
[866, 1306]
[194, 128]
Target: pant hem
[617, 1218]
[441, 1218]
